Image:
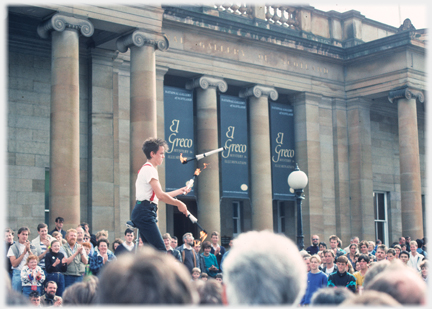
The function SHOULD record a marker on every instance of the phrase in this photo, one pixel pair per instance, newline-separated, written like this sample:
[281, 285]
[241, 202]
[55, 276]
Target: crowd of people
[76, 267]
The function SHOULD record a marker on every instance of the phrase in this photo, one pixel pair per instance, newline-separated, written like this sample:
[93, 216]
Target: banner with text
[282, 145]
[235, 159]
[179, 134]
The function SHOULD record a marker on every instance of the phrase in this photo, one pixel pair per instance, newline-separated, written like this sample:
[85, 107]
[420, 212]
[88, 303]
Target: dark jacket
[343, 280]
[63, 232]
[50, 258]
[175, 253]
[312, 250]
[122, 249]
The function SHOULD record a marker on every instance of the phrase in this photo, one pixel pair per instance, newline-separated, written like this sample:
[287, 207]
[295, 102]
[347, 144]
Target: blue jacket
[96, 261]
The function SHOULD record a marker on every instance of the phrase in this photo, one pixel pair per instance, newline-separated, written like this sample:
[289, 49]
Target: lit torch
[198, 157]
[203, 233]
[192, 180]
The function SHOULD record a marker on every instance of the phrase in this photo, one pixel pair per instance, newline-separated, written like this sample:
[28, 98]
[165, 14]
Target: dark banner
[179, 134]
[235, 159]
[282, 145]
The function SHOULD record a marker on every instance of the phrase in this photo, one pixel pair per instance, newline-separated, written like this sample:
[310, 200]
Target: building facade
[339, 94]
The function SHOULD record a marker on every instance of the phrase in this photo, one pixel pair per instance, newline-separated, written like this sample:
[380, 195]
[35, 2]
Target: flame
[197, 172]
[205, 165]
[182, 159]
[203, 236]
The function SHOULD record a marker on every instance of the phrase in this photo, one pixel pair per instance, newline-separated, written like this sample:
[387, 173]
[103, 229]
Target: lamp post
[297, 181]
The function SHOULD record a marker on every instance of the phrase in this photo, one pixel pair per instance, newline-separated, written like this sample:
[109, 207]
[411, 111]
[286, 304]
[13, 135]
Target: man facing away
[263, 268]
[341, 277]
[313, 248]
[127, 245]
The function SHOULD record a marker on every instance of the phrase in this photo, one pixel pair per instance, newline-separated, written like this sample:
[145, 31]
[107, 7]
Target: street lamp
[297, 181]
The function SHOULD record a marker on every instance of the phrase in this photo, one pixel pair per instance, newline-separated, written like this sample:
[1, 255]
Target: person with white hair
[272, 267]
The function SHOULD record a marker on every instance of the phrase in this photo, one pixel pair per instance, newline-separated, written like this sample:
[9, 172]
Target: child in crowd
[219, 278]
[211, 264]
[32, 276]
[196, 273]
[391, 254]
[204, 277]
[56, 265]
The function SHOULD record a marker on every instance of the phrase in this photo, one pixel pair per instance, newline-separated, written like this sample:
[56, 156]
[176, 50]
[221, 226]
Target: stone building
[338, 93]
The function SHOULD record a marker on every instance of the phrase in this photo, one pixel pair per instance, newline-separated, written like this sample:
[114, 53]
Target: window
[279, 217]
[237, 214]
[381, 219]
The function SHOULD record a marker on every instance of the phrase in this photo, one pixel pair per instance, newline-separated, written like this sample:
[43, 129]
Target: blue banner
[234, 136]
[179, 134]
[282, 145]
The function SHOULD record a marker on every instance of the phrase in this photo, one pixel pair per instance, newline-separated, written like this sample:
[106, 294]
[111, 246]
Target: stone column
[410, 181]
[162, 211]
[208, 192]
[317, 217]
[143, 110]
[64, 130]
[260, 154]
[360, 168]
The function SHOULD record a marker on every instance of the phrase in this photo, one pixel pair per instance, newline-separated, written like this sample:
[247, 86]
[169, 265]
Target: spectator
[226, 253]
[331, 296]
[219, 278]
[82, 293]
[216, 249]
[88, 240]
[402, 283]
[371, 247]
[35, 298]
[56, 266]
[401, 240]
[17, 254]
[9, 241]
[59, 221]
[196, 273]
[329, 267]
[407, 242]
[59, 237]
[391, 254]
[87, 248]
[351, 254]
[404, 257]
[41, 243]
[76, 259]
[204, 276]
[354, 240]
[306, 258]
[127, 245]
[211, 264]
[363, 262]
[364, 249]
[199, 258]
[334, 246]
[397, 249]
[341, 277]
[174, 242]
[314, 247]
[92, 239]
[381, 253]
[264, 268]
[50, 298]
[101, 257]
[210, 292]
[424, 267]
[316, 280]
[188, 256]
[322, 246]
[415, 258]
[371, 298]
[148, 277]
[117, 242]
[32, 276]
[170, 251]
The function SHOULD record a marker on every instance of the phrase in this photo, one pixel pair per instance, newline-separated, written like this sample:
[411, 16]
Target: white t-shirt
[21, 248]
[143, 189]
[128, 247]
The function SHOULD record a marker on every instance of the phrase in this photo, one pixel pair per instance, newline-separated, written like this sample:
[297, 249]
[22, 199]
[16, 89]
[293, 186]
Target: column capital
[258, 91]
[140, 38]
[207, 81]
[59, 22]
[406, 93]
